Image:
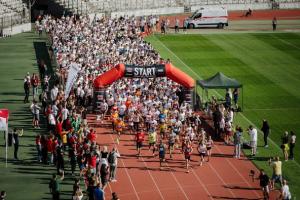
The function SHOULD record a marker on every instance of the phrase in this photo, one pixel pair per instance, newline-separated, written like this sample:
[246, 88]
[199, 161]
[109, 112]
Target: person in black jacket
[264, 182]
[266, 130]
[26, 90]
[16, 143]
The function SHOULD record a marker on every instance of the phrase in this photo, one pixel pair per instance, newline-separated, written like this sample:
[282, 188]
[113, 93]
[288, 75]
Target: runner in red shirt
[140, 136]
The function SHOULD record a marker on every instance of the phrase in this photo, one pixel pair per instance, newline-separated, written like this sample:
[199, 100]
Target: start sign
[145, 71]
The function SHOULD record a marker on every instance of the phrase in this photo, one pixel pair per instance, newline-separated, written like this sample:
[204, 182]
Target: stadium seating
[123, 5]
[12, 12]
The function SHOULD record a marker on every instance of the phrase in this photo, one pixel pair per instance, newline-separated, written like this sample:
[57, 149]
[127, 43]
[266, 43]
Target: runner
[152, 140]
[264, 182]
[161, 153]
[114, 116]
[187, 155]
[119, 125]
[163, 129]
[209, 145]
[202, 149]
[140, 135]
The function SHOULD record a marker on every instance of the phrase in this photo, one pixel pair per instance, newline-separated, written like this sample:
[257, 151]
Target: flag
[3, 119]
[72, 76]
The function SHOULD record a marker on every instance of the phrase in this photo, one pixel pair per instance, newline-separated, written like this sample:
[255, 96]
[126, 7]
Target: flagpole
[6, 141]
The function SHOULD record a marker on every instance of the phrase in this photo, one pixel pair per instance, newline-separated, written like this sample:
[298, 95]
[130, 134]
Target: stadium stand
[12, 12]
[117, 5]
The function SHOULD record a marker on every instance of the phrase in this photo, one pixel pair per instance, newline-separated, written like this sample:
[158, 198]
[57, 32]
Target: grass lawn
[268, 66]
[25, 179]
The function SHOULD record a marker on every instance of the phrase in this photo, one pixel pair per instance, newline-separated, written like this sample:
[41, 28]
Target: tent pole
[242, 98]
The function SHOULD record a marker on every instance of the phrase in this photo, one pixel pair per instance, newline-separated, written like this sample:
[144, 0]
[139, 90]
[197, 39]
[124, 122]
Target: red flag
[4, 113]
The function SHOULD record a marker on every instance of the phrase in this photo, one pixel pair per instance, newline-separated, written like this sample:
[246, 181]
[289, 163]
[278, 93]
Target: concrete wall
[257, 6]
[289, 5]
[175, 10]
[17, 29]
[146, 12]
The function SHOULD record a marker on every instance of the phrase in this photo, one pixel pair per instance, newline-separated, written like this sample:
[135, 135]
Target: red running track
[141, 178]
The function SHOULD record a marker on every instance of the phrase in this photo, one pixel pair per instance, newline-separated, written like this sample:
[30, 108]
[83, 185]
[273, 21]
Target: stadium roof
[219, 81]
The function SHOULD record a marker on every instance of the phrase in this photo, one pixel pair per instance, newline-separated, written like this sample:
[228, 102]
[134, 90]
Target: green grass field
[268, 66]
[25, 179]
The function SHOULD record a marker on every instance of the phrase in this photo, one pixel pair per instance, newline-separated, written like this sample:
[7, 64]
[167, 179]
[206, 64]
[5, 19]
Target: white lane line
[219, 176]
[202, 184]
[160, 194]
[286, 42]
[242, 115]
[150, 174]
[237, 171]
[180, 186]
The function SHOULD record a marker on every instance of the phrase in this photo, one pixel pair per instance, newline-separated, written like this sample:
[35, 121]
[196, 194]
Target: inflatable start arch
[133, 71]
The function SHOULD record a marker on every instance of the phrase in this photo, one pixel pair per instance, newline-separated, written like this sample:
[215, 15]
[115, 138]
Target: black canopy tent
[220, 81]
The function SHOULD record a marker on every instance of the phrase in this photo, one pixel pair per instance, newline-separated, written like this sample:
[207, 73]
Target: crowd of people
[149, 109]
[139, 106]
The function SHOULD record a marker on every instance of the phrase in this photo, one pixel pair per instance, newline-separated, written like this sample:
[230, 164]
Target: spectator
[253, 139]
[176, 25]
[27, 87]
[235, 97]
[277, 171]
[35, 109]
[113, 163]
[285, 193]
[285, 145]
[274, 23]
[99, 193]
[266, 130]
[237, 140]
[54, 186]
[34, 84]
[38, 144]
[2, 195]
[16, 143]
[292, 144]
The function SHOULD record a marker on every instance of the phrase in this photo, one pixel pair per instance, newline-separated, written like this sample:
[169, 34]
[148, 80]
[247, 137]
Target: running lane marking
[160, 194]
[237, 171]
[135, 192]
[241, 114]
[180, 187]
[150, 174]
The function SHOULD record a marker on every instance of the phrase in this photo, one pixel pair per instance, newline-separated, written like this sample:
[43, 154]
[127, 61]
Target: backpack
[111, 158]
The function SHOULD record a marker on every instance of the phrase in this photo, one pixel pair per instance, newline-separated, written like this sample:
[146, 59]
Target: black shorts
[122, 116]
[202, 154]
[187, 157]
[208, 148]
[139, 145]
[162, 156]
